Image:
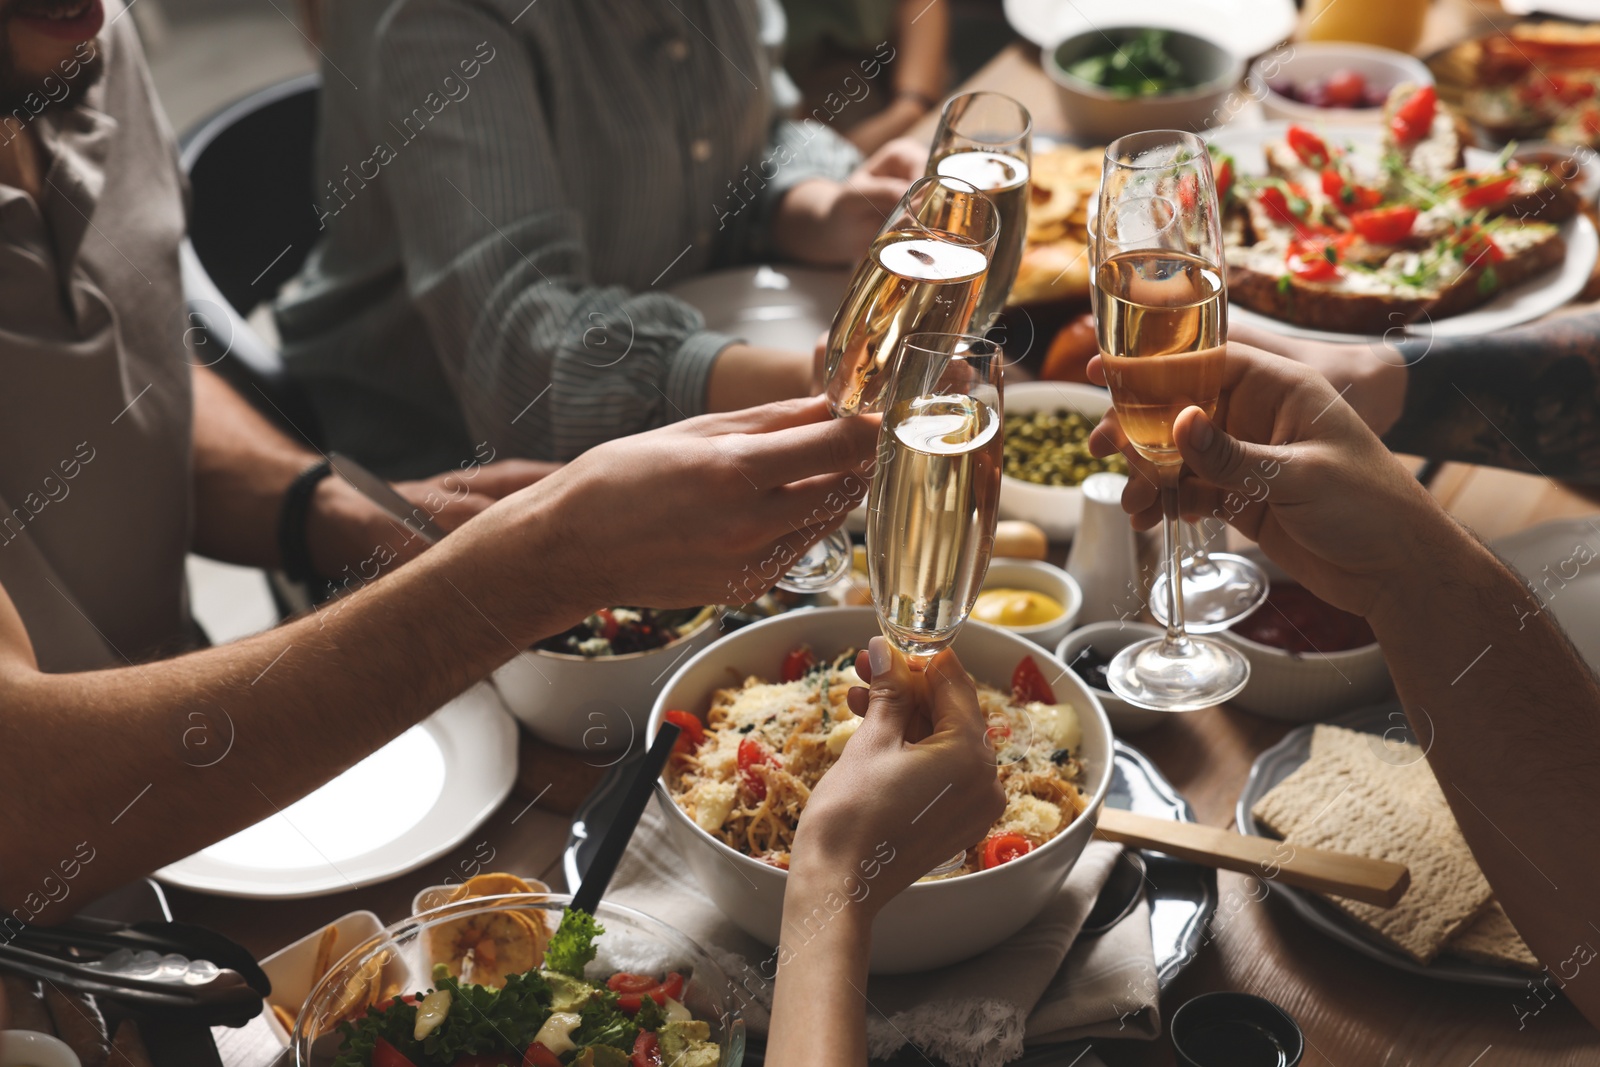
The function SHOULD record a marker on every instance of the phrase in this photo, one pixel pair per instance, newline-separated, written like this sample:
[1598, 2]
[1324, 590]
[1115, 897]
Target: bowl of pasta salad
[764, 716]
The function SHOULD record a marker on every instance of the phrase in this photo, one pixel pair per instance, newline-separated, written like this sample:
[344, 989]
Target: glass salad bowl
[487, 942]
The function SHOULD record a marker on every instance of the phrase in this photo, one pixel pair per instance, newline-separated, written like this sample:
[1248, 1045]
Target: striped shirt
[505, 187]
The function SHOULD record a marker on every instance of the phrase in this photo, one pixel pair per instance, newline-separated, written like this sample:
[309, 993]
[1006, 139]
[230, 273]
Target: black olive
[747, 727]
[1060, 756]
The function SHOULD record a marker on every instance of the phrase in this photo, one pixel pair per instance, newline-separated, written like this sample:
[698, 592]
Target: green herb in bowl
[1139, 66]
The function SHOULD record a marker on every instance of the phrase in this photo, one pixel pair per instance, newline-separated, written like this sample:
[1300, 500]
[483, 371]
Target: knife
[413, 516]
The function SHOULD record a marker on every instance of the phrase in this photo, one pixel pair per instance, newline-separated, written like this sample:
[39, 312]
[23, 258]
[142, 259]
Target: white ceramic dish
[1246, 27]
[292, 969]
[29, 1048]
[1291, 687]
[931, 924]
[1055, 509]
[1100, 115]
[1526, 302]
[596, 705]
[1039, 577]
[1109, 638]
[778, 306]
[1562, 562]
[457, 766]
[1314, 61]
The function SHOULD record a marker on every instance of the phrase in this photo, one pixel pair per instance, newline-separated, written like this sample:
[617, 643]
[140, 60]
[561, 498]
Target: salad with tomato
[742, 769]
[620, 631]
[552, 1015]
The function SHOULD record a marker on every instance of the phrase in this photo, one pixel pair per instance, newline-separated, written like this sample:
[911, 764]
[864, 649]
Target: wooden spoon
[1362, 878]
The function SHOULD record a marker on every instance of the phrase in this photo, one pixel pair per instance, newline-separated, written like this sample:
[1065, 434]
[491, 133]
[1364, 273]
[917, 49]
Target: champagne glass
[922, 272]
[1160, 299]
[936, 491]
[1219, 588]
[986, 139]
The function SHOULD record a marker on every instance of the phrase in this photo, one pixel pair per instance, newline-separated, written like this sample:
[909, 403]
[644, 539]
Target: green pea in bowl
[1047, 457]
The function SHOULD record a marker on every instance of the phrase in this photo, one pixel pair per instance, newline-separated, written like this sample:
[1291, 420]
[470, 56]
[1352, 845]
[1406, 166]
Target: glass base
[823, 564]
[1216, 594]
[1198, 672]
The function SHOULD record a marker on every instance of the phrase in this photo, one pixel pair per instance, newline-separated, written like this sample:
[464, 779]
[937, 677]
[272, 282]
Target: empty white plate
[406, 804]
[771, 307]
[1561, 560]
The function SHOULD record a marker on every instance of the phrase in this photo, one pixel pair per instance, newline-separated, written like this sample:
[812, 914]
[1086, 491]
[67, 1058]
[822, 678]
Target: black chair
[251, 226]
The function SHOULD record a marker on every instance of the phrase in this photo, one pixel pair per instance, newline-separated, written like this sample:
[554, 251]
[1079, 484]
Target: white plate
[1582, 10]
[1562, 561]
[1531, 300]
[1245, 27]
[770, 306]
[454, 768]
[1386, 722]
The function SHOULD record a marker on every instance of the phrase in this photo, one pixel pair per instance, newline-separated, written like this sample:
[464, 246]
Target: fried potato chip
[486, 948]
[493, 885]
[285, 1020]
[325, 957]
[355, 989]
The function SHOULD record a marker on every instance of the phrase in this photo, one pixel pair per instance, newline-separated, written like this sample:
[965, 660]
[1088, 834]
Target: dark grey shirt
[506, 187]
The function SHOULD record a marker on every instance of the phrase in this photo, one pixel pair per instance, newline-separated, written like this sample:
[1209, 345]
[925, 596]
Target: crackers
[1372, 796]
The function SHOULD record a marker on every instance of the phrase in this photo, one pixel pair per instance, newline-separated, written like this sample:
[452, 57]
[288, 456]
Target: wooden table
[1355, 1012]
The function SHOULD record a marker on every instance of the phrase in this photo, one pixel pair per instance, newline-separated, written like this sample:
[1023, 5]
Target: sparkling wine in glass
[936, 491]
[922, 272]
[1160, 301]
[986, 140]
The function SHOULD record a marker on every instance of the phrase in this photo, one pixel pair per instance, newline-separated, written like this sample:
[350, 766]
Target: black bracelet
[293, 551]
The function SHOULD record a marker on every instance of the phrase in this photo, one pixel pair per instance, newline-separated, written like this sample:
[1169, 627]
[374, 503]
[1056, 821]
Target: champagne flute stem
[1172, 550]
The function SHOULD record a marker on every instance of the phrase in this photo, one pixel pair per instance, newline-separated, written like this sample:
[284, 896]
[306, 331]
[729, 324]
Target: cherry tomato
[388, 1002]
[1477, 246]
[694, 731]
[1314, 260]
[539, 1056]
[1028, 684]
[1224, 176]
[386, 1055]
[1003, 848]
[1482, 190]
[798, 664]
[1345, 88]
[1385, 226]
[623, 982]
[1189, 191]
[608, 623]
[1289, 212]
[1413, 119]
[1312, 150]
[750, 754]
[1349, 196]
[646, 1050]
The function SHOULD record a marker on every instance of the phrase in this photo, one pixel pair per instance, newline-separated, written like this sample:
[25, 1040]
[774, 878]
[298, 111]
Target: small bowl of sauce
[1235, 1030]
[1031, 598]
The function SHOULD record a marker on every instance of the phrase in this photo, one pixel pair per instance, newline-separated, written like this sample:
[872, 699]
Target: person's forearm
[819, 1008]
[1510, 718]
[744, 376]
[242, 466]
[923, 35]
[146, 764]
[1526, 399]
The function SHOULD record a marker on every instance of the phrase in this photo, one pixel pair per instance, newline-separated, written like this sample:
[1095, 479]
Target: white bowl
[1109, 638]
[1039, 577]
[931, 924]
[1309, 687]
[1055, 509]
[593, 704]
[30, 1048]
[1307, 61]
[1100, 115]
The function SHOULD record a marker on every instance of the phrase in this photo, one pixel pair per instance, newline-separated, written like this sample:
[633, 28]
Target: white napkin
[977, 1013]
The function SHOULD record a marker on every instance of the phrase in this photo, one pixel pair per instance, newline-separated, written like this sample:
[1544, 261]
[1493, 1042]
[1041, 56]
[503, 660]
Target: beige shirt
[95, 394]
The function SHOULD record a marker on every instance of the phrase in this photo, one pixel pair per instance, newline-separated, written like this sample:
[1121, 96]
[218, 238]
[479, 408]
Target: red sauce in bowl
[1294, 619]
